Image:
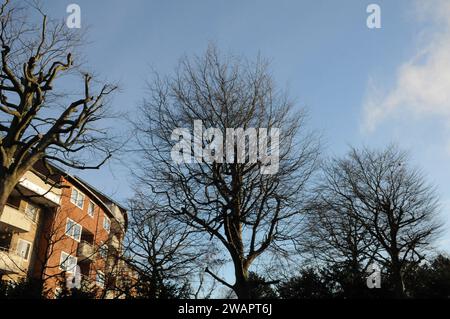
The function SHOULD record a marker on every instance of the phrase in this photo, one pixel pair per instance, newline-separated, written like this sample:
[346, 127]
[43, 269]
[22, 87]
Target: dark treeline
[429, 280]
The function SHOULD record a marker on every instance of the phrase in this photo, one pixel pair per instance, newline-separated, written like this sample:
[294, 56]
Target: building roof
[99, 192]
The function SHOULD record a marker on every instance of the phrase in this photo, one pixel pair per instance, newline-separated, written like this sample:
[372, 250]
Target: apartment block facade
[59, 229]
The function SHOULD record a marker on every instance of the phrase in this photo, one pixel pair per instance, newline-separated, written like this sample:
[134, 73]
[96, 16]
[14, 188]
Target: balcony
[31, 185]
[10, 262]
[85, 252]
[13, 217]
[118, 223]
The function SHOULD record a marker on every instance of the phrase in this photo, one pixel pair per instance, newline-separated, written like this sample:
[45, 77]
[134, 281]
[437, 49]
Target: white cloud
[422, 84]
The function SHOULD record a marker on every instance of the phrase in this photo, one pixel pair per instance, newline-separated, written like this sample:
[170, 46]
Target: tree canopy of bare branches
[39, 121]
[336, 239]
[372, 205]
[249, 213]
[164, 251]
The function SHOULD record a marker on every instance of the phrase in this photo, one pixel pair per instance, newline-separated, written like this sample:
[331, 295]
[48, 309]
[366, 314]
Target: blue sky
[361, 86]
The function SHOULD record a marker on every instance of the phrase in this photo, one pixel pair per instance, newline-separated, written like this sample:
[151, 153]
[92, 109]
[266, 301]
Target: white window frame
[29, 250]
[65, 259]
[37, 210]
[106, 218]
[75, 202]
[91, 203]
[102, 274]
[69, 232]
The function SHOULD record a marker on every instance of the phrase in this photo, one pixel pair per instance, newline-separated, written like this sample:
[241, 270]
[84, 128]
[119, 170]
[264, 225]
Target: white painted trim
[65, 259]
[40, 191]
[79, 192]
[29, 252]
[65, 229]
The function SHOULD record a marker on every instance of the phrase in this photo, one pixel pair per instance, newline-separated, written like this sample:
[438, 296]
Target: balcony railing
[16, 218]
[10, 261]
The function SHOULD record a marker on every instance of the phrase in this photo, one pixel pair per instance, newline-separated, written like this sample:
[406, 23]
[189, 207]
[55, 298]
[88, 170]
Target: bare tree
[39, 121]
[164, 251]
[333, 235]
[234, 201]
[387, 204]
[335, 238]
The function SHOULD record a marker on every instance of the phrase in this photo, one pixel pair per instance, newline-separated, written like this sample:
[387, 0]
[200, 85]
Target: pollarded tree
[40, 120]
[246, 186]
[383, 194]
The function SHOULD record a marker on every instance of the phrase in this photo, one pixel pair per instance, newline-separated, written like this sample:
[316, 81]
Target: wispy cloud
[422, 84]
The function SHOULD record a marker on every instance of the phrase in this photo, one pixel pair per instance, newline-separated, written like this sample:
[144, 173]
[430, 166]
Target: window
[91, 209]
[31, 211]
[24, 249]
[100, 279]
[77, 197]
[103, 250]
[106, 223]
[67, 262]
[5, 239]
[73, 229]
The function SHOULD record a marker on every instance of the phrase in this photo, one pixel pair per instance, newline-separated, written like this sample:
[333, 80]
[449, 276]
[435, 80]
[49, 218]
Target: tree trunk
[242, 286]
[8, 180]
[397, 278]
[6, 187]
[399, 288]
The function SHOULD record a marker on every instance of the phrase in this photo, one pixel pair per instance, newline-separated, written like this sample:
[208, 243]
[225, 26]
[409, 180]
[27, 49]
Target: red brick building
[61, 230]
